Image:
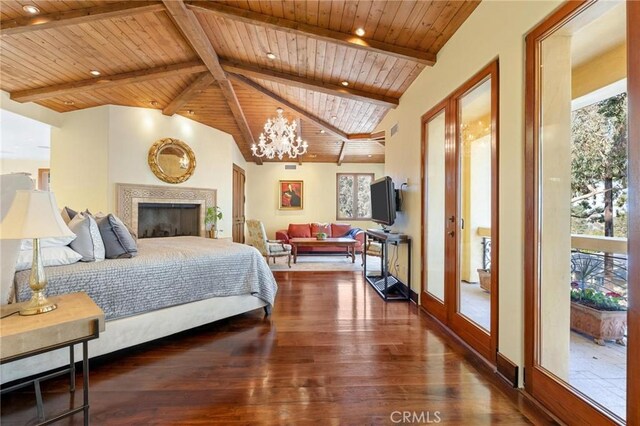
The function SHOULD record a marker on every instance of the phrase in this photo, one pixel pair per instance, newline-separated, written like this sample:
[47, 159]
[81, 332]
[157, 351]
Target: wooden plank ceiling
[208, 61]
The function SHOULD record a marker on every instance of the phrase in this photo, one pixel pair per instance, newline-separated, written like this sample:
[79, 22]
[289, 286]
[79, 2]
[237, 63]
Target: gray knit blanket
[166, 272]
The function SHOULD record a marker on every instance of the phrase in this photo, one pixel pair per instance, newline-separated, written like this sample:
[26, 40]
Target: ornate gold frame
[155, 168]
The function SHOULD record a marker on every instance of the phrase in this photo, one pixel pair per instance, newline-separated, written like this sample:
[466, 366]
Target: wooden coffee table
[348, 243]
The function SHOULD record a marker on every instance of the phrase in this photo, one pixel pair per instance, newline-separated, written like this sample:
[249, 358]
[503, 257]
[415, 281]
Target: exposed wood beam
[32, 95]
[193, 32]
[78, 16]
[198, 86]
[319, 33]
[269, 94]
[309, 84]
[343, 150]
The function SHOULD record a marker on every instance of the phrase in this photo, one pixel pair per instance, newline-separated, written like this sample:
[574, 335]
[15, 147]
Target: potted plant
[213, 215]
[597, 313]
[485, 279]
[321, 236]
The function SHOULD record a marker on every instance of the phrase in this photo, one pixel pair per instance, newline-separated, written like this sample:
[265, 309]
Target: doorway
[239, 179]
[460, 211]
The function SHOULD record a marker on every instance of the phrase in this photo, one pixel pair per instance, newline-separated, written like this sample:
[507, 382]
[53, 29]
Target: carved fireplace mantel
[130, 196]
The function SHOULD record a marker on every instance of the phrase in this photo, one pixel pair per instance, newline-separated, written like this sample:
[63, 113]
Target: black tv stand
[388, 286]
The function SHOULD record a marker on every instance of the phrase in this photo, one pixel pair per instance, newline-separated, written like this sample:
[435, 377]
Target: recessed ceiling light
[345, 83]
[334, 117]
[322, 132]
[271, 55]
[369, 155]
[69, 102]
[29, 8]
[360, 32]
[154, 103]
[190, 112]
[312, 155]
[279, 110]
[94, 73]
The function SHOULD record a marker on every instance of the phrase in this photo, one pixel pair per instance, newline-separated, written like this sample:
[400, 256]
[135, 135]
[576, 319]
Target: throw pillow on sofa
[339, 230]
[317, 228]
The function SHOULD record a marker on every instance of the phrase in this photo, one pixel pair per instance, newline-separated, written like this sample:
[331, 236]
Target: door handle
[461, 223]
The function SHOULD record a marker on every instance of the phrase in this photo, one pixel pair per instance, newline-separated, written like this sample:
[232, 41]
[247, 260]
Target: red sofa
[333, 230]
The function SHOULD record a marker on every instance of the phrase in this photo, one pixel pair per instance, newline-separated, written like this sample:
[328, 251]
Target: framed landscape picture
[291, 194]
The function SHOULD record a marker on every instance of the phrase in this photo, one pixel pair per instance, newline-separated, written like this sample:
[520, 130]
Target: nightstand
[76, 321]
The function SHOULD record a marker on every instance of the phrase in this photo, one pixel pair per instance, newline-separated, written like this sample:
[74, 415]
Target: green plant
[610, 301]
[213, 215]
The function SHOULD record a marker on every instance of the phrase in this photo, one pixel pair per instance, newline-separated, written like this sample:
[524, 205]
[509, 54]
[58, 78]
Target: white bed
[124, 331]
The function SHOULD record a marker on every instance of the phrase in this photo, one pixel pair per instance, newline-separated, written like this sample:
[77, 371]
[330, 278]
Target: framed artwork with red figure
[290, 194]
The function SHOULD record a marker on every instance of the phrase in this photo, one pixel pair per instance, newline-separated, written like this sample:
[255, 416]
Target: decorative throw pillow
[50, 256]
[68, 214]
[317, 228]
[27, 244]
[118, 242]
[88, 241]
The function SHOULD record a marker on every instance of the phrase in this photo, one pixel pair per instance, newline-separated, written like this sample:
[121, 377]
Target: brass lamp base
[38, 309]
[37, 281]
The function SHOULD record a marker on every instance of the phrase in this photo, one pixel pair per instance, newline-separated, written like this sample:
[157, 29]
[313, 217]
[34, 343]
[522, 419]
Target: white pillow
[47, 242]
[50, 256]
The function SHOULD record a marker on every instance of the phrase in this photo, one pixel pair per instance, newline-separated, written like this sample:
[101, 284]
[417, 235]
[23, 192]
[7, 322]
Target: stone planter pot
[485, 279]
[601, 325]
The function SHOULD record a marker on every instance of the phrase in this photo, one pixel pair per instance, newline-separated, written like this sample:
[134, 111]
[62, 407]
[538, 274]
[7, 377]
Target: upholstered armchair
[268, 248]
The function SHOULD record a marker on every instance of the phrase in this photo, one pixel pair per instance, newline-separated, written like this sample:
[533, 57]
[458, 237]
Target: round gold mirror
[171, 160]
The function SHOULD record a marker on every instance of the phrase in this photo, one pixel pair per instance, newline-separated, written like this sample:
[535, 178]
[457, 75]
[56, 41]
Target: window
[353, 196]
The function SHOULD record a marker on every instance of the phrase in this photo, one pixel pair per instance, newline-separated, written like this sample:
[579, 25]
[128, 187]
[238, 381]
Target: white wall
[132, 131]
[319, 193]
[79, 160]
[98, 147]
[495, 29]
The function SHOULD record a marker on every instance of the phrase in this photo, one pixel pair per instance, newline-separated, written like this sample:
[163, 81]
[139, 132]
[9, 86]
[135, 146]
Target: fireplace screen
[168, 220]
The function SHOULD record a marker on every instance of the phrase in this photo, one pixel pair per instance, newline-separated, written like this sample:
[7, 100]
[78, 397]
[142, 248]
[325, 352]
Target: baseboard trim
[507, 369]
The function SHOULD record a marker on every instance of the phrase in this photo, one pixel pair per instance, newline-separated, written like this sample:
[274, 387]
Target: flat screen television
[383, 201]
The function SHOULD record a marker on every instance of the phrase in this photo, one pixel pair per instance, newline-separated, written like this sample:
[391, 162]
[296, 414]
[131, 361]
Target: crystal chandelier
[280, 139]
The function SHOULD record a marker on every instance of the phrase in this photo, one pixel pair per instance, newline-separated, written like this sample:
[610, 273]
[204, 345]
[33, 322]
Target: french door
[460, 211]
[582, 253]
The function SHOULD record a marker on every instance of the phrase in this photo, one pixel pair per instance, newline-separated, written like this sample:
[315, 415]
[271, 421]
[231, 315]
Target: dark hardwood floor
[332, 353]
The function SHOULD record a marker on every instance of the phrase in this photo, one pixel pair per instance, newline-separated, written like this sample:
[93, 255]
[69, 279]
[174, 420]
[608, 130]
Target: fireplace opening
[157, 220]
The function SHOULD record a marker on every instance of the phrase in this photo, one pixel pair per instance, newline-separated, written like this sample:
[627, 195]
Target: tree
[599, 161]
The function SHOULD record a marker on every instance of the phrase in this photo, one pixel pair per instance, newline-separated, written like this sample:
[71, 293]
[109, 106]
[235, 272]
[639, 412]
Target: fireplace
[181, 202]
[168, 220]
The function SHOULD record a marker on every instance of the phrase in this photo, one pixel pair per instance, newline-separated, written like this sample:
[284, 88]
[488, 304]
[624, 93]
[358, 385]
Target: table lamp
[34, 214]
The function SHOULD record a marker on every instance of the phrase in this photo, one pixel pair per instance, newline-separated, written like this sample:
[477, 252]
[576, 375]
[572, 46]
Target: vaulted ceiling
[208, 61]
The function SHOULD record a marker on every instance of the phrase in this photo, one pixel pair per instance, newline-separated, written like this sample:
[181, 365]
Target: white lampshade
[33, 214]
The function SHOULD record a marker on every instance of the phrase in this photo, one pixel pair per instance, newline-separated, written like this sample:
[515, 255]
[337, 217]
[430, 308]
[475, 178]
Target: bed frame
[130, 331]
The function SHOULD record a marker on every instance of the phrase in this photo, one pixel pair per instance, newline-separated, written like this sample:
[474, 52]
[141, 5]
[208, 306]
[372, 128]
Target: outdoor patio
[599, 372]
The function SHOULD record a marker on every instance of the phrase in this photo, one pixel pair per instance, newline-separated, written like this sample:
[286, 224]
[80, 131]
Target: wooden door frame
[465, 328]
[540, 383]
[447, 312]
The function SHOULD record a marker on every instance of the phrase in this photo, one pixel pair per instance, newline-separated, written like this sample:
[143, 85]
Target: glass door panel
[475, 201]
[582, 206]
[434, 219]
